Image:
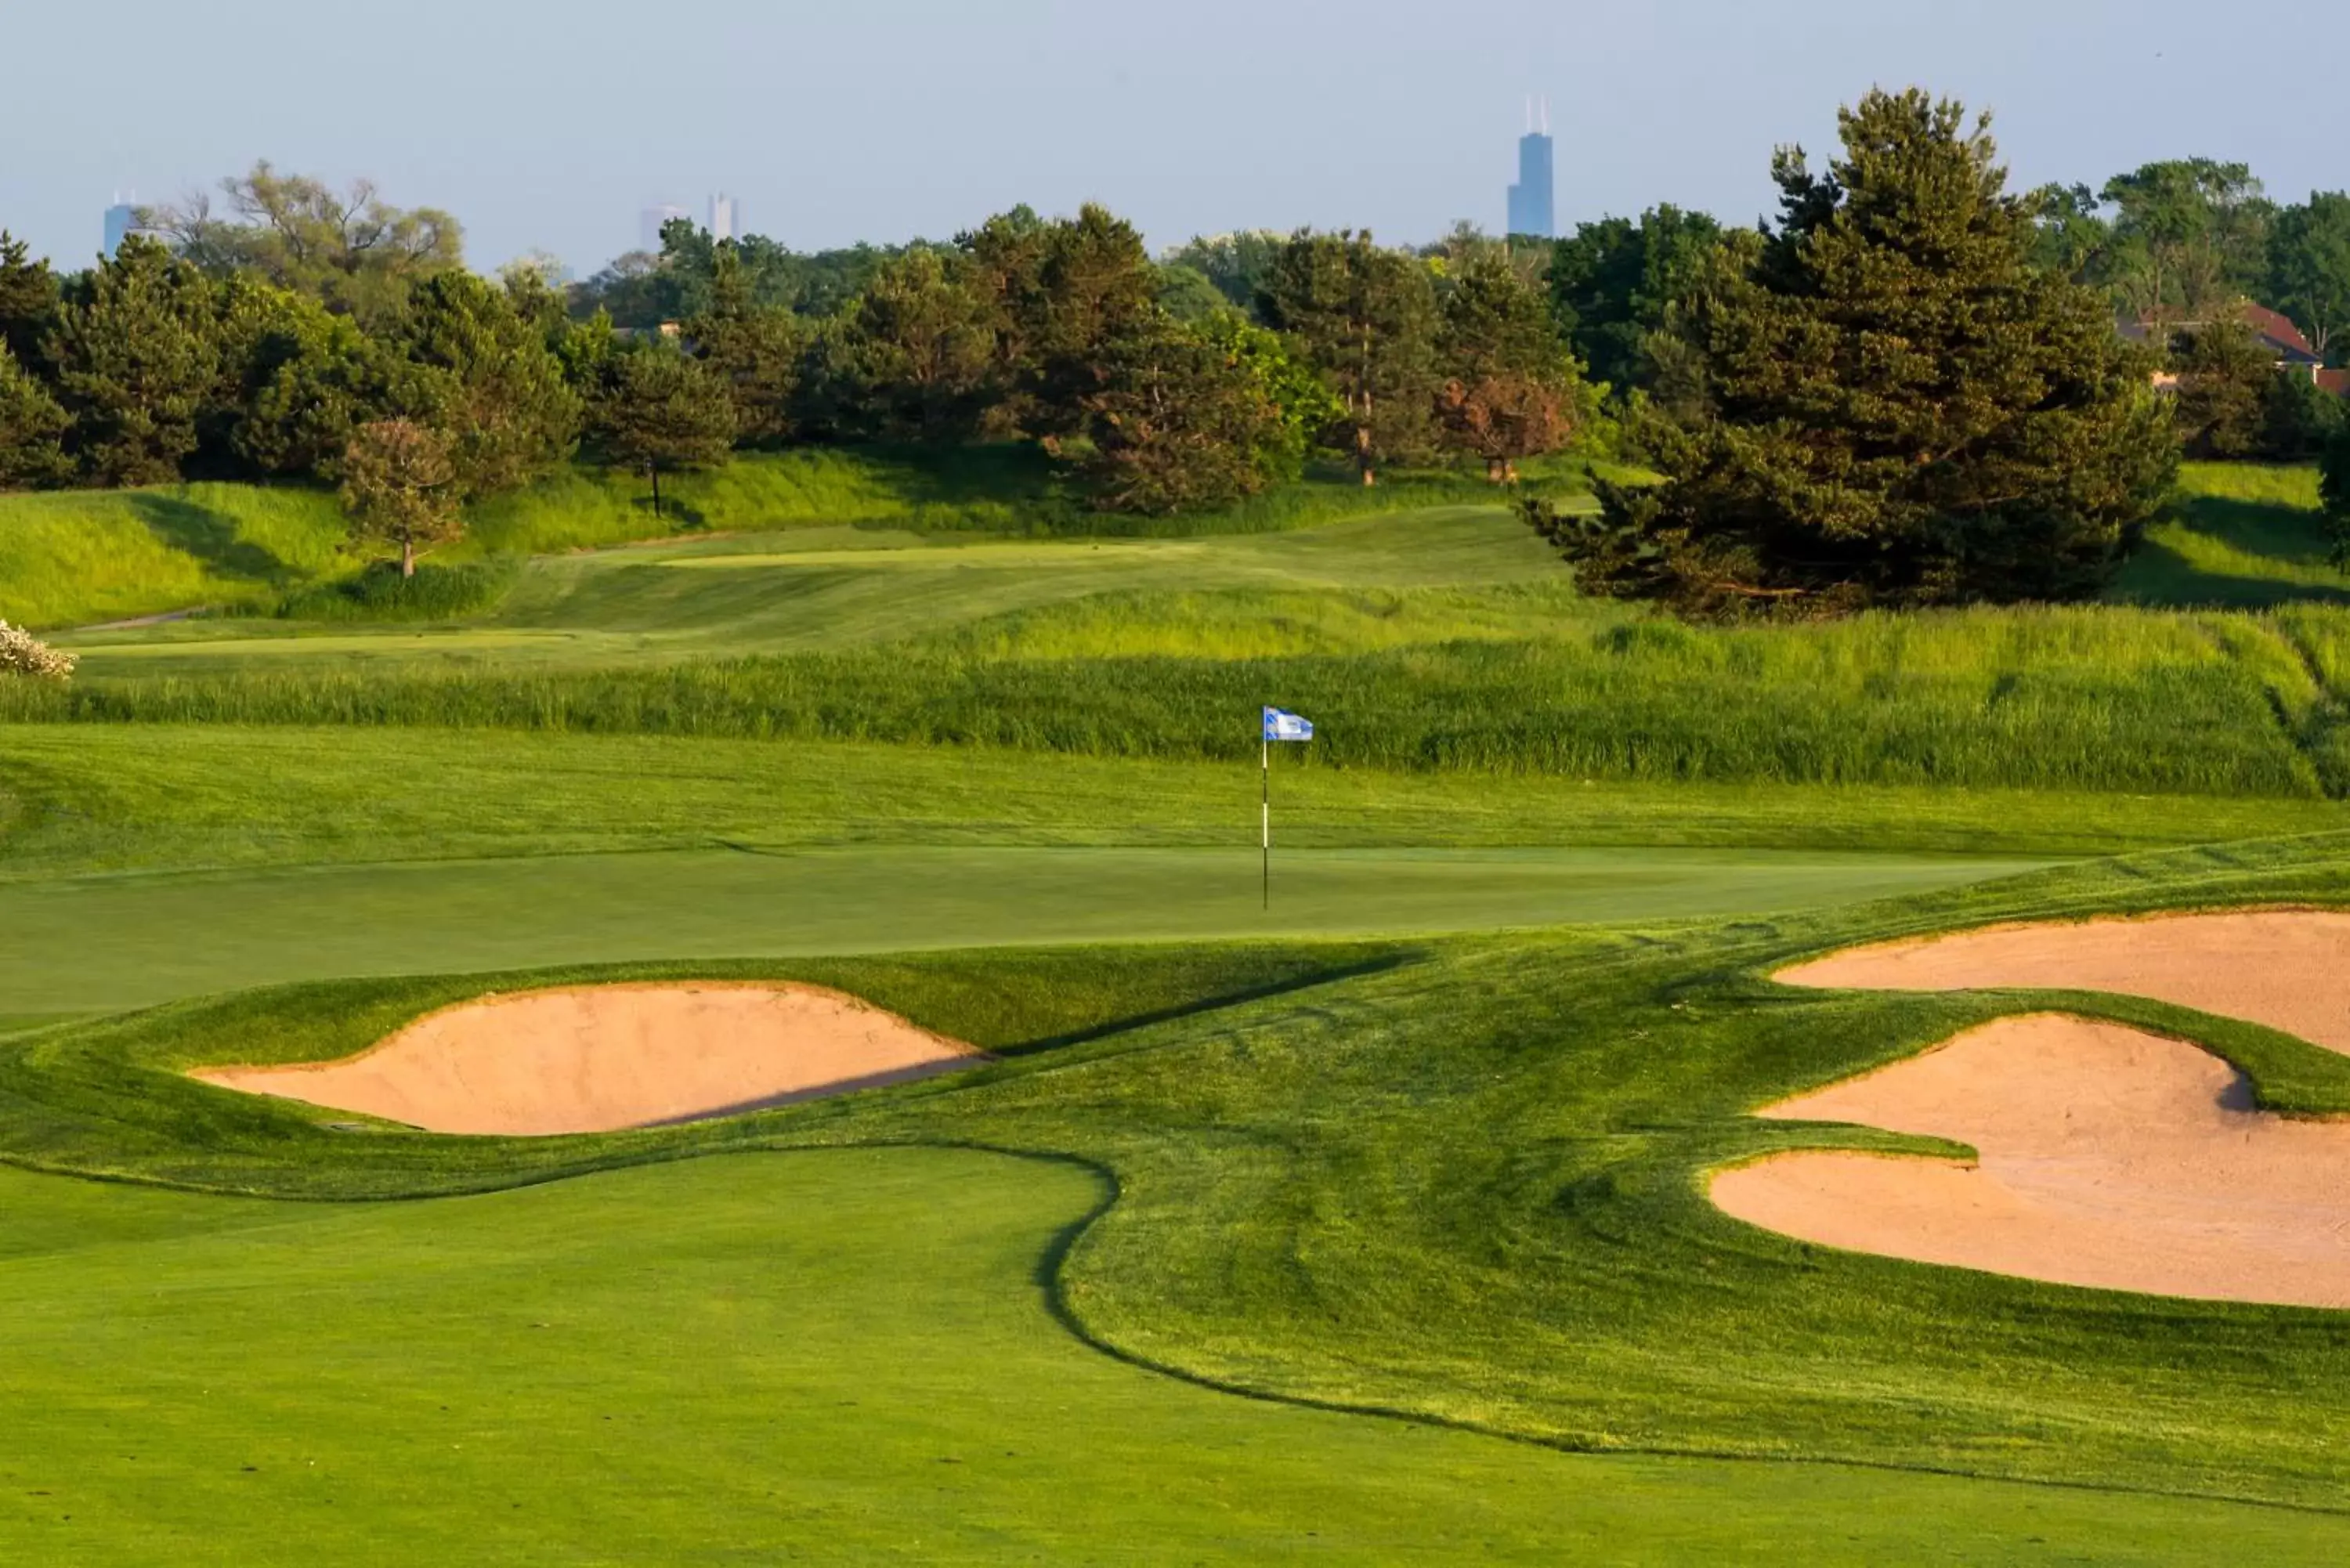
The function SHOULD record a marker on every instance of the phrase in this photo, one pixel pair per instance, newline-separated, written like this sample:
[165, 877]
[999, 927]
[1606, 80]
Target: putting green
[832, 1357]
[105, 942]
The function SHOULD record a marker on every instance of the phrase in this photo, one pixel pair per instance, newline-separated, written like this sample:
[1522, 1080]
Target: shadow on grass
[210, 537]
[2292, 540]
[1378, 964]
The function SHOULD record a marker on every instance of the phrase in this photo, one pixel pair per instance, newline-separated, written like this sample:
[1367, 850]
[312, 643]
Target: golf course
[1367, 1213]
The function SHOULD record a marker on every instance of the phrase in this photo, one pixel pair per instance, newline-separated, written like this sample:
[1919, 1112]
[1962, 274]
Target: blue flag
[1283, 726]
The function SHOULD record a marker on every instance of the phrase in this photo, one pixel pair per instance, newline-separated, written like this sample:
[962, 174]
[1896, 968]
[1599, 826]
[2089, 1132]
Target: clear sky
[551, 125]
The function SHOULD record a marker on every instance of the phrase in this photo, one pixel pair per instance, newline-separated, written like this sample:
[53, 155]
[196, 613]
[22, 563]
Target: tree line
[266, 341]
[1906, 389]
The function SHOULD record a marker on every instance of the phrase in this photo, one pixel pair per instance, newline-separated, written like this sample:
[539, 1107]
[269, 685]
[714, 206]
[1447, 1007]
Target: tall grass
[2075, 699]
[78, 556]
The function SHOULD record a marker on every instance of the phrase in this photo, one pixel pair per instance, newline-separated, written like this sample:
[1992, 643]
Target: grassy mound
[86, 557]
[831, 1356]
[1459, 1179]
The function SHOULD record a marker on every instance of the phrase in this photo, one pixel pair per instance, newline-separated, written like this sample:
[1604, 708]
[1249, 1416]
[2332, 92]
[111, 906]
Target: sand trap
[2288, 969]
[2108, 1157]
[606, 1058]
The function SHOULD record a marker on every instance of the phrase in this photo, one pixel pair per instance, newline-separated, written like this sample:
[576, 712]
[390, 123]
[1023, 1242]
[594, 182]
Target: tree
[349, 248]
[2309, 268]
[1179, 423]
[1365, 318]
[1304, 402]
[138, 361]
[499, 387]
[28, 300]
[908, 360]
[309, 379]
[1236, 264]
[400, 488]
[1613, 284]
[1510, 382]
[2334, 493]
[754, 351]
[2189, 237]
[665, 412]
[1910, 411]
[1186, 293]
[2224, 377]
[31, 424]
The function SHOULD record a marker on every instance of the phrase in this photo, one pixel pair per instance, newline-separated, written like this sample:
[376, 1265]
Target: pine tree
[401, 487]
[137, 363]
[1908, 412]
[754, 351]
[28, 301]
[31, 423]
[1365, 318]
[501, 390]
[665, 412]
[1180, 421]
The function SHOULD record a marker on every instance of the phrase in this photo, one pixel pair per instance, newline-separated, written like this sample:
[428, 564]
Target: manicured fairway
[115, 941]
[828, 1356]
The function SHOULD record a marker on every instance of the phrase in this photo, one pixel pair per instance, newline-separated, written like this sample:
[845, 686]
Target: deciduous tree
[400, 488]
[1613, 284]
[1510, 383]
[2309, 268]
[349, 248]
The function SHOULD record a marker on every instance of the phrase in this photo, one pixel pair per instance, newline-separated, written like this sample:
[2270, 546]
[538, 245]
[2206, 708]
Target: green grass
[1438, 639]
[80, 798]
[75, 557]
[2073, 700]
[841, 1356]
[91, 556]
[2245, 536]
[1455, 1179]
[102, 944]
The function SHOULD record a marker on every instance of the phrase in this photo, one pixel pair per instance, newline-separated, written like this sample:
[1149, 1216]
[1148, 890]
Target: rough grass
[2072, 699]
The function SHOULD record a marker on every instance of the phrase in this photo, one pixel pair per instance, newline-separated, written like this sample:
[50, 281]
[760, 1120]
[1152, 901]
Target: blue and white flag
[1284, 726]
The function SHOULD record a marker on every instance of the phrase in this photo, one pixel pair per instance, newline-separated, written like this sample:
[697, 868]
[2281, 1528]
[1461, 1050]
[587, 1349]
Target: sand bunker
[607, 1057]
[2108, 1157]
[2288, 969]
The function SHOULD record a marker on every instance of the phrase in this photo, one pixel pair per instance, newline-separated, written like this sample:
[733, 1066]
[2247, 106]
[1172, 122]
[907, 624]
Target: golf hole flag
[1279, 725]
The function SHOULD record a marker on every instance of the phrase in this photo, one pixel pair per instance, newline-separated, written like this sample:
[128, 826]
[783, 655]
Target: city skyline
[1681, 101]
[1533, 200]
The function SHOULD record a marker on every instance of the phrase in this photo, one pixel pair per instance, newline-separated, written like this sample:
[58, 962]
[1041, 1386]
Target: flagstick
[1267, 823]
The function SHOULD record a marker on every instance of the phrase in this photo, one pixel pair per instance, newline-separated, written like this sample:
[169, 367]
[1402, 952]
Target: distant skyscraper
[652, 220]
[1532, 198]
[725, 218]
[121, 223]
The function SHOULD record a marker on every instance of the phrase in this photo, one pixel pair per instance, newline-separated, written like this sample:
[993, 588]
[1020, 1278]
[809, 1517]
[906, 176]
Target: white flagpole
[1265, 820]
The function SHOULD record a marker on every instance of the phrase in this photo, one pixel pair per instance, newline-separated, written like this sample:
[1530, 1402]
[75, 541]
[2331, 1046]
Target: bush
[21, 653]
[381, 592]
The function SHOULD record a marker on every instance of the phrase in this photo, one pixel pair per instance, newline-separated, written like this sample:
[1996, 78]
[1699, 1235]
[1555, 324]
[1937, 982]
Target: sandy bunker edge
[610, 1058]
